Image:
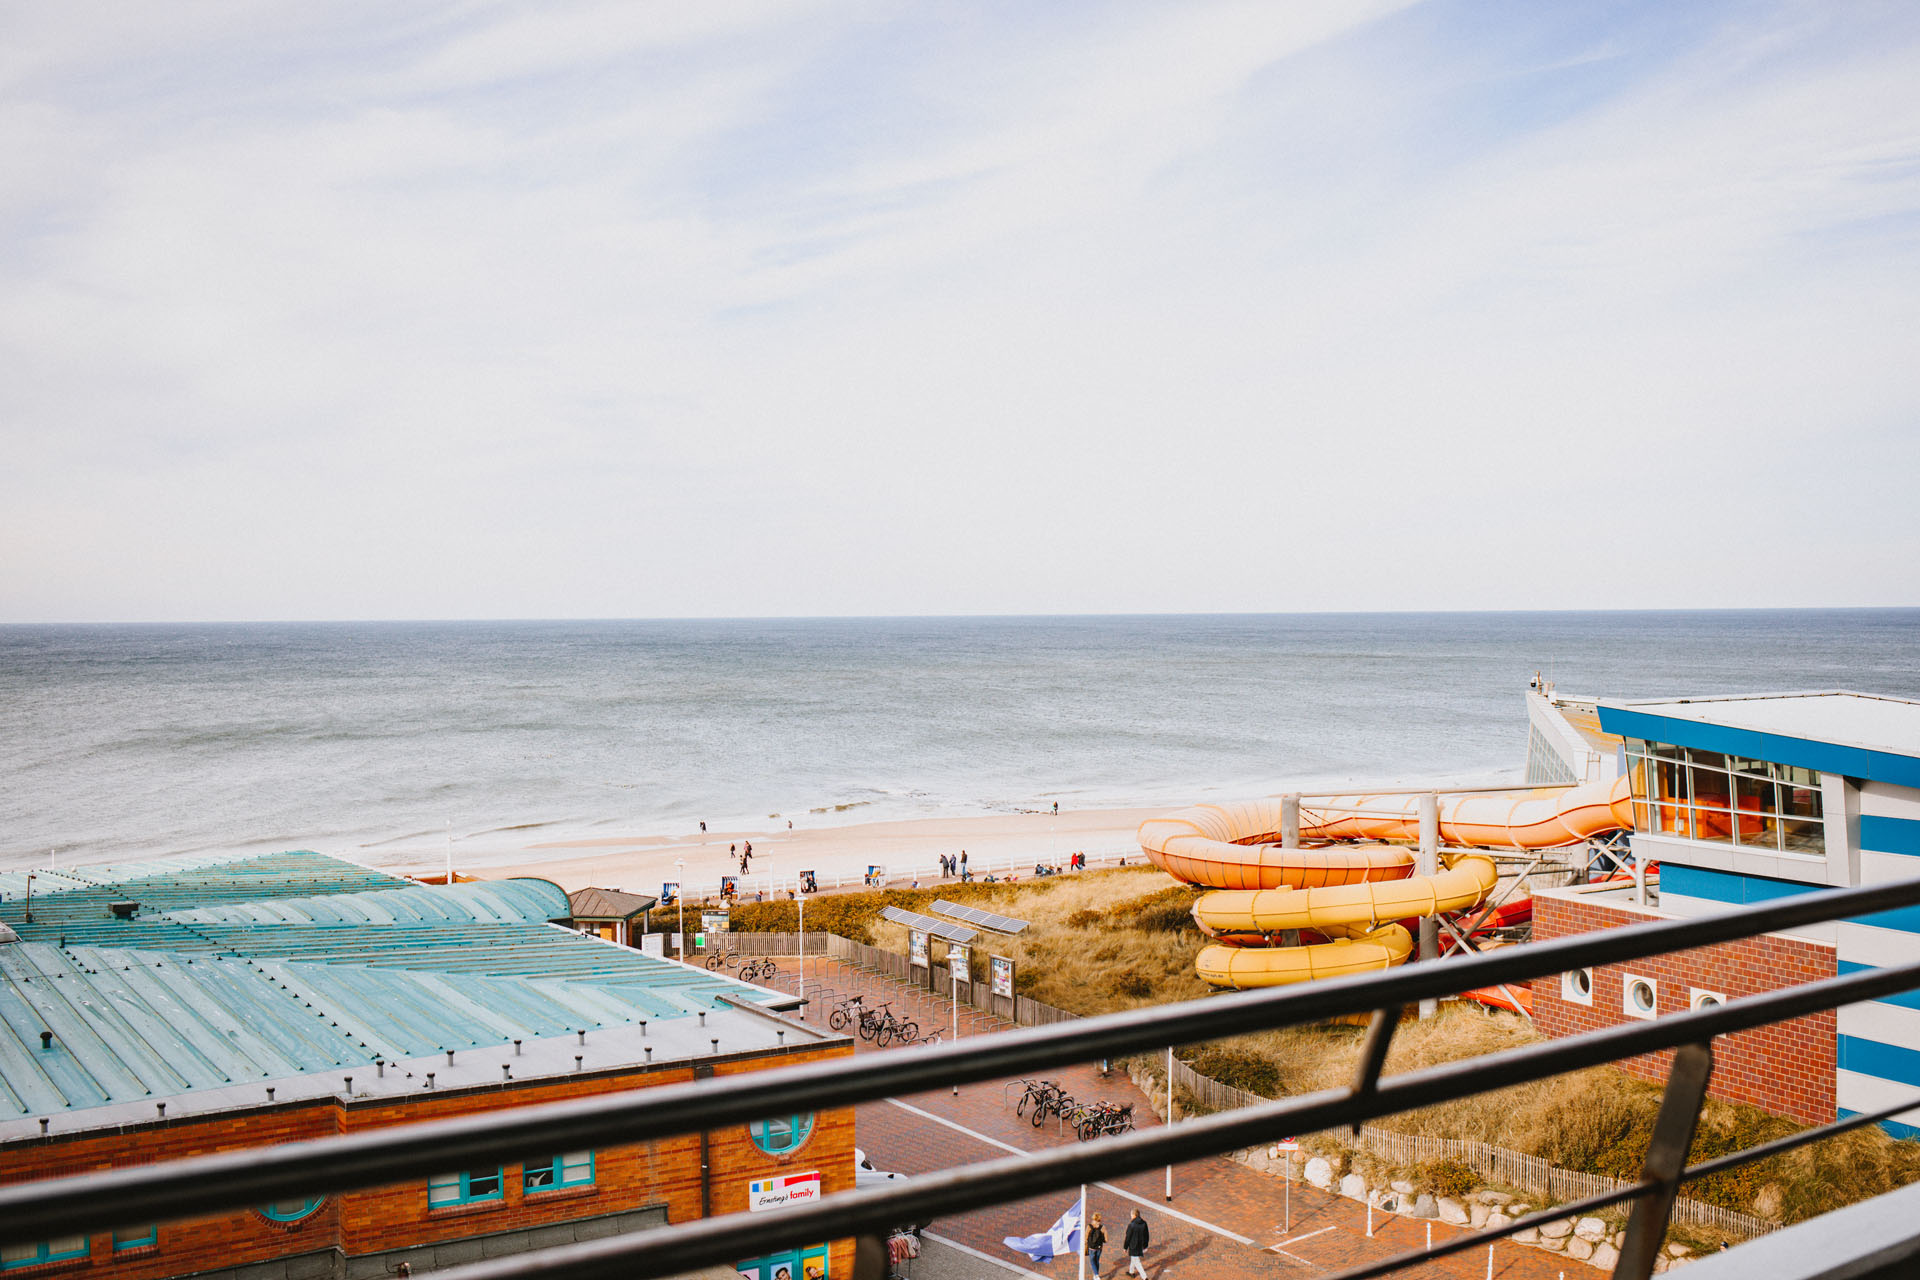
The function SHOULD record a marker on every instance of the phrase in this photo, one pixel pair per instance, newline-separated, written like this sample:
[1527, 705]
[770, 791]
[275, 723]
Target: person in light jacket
[1096, 1241]
[1136, 1245]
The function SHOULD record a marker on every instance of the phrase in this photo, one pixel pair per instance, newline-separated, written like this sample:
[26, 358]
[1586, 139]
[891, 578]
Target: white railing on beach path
[771, 888]
[1499, 1165]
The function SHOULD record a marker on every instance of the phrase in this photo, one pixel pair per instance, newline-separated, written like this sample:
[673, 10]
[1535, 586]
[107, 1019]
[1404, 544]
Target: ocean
[354, 738]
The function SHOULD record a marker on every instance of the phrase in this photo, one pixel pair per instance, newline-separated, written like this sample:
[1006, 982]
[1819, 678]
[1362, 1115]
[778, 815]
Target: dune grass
[1124, 938]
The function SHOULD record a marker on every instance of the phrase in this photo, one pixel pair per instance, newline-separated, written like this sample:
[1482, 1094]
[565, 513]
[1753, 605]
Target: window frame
[123, 1238]
[44, 1253]
[310, 1205]
[563, 1167]
[799, 1128]
[461, 1183]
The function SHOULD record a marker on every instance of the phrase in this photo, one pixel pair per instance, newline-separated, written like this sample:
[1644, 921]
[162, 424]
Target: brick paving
[1327, 1232]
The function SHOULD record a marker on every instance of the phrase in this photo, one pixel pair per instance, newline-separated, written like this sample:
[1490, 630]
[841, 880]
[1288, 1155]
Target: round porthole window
[1640, 996]
[1581, 981]
[1707, 999]
[292, 1210]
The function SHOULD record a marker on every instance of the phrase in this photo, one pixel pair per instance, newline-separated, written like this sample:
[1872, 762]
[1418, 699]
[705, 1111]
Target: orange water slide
[1350, 895]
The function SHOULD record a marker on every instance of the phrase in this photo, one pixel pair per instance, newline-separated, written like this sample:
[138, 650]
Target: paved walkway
[1225, 1222]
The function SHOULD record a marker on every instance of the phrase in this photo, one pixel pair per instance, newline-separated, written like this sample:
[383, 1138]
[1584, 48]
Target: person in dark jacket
[1096, 1241]
[1136, 1245]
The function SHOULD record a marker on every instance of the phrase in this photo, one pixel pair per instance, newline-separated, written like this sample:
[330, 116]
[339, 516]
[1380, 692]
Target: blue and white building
[1746, 799]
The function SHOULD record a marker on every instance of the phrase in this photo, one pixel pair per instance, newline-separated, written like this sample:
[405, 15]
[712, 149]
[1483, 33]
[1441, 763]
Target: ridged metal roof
[259, 969]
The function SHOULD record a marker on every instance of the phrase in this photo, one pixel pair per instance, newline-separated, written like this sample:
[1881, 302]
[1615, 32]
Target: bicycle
[756, 970]
[845, 1013]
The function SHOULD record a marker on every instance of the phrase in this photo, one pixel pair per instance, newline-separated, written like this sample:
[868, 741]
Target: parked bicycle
[848, 1011]
[1101, 1119]
[750, 970]
[1041, 1099]
[883, 1028]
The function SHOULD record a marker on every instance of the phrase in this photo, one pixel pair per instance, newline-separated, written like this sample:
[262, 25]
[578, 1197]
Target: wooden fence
[1495, 1164]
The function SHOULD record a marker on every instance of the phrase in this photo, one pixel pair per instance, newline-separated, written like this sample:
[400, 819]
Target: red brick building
[168, 1029]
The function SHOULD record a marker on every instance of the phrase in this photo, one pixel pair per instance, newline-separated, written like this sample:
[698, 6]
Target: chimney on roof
[124, 910]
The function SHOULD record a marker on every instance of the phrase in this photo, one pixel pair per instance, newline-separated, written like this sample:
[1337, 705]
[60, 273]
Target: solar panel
[938, 928]
[987, 920]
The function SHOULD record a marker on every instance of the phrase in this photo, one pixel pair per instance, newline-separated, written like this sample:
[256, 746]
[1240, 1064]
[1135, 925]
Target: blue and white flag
[1060, 1240]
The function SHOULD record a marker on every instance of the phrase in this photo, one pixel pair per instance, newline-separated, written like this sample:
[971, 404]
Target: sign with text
[653, 944]
[1002, 976]
[958, 961]
[778, 1193]
[713, 922]
[917, 947]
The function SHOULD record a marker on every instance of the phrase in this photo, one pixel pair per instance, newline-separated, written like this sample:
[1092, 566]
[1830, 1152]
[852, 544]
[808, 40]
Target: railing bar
[1473, 1240]
[1805, 1137]
[239, 1178]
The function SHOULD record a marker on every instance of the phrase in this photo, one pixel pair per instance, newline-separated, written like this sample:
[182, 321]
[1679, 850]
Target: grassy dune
[1122, 938]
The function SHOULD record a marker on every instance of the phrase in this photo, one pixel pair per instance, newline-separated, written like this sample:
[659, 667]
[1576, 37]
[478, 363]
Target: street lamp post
[680, 902]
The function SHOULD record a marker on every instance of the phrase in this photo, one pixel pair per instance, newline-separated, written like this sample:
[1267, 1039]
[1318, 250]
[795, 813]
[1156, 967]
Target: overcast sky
[393, 311]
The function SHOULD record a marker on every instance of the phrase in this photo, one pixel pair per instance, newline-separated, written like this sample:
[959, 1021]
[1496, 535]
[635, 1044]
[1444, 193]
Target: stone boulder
[1592, 1230]
[1555, 1243]
[1477, 1214]
[1557, 1230]
[1496, 1220]
[1604, 1256]
[1422, 1207]
[1320, 1173]
[1527, 1235]
[1678, 1250]
[1451, 1211]
[1493, 1197]
[1353, 1187]
[1518, 1210]
[1402, 1186]
[1578, 1248]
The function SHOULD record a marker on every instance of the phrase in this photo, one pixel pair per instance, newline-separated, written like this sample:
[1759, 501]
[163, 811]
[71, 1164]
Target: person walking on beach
[963, 861]
[1096, 1241]
[1136, 1245]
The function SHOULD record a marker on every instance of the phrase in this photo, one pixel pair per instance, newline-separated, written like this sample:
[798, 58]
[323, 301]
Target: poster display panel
[1002, 976]
[917, 948]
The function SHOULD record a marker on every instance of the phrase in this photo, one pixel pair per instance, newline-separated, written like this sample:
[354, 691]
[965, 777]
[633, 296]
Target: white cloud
[643, 310]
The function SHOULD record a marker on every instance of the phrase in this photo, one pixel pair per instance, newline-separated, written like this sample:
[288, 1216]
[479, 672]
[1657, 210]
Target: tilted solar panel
[988, 920]
[938, 928]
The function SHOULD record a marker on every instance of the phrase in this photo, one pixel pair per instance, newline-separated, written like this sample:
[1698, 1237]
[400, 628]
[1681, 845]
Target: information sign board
[1002, 976]
[778, 1193]
[917, 947]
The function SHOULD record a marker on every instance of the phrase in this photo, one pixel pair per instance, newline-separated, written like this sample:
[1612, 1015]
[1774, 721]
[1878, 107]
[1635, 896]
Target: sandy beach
[640, 863]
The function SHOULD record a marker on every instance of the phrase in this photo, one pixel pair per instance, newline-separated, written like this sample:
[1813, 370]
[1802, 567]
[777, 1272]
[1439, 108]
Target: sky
[555, 310]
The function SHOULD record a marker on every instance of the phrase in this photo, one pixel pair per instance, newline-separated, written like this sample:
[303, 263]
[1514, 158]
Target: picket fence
[1499, 1165]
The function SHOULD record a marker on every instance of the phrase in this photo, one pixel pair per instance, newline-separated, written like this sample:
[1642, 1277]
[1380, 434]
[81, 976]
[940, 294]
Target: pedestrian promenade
[1225, 1221]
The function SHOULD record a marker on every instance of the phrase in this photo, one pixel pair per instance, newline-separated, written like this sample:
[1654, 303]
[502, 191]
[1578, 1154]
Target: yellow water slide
[1352, 895]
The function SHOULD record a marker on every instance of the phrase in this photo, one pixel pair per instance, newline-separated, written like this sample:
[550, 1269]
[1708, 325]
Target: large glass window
[1736, 800]
[544, 1173]
[469, 1186]
[781, 1134]
[35, 1252]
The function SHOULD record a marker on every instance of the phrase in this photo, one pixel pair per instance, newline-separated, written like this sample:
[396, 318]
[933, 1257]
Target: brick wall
[1787, 1068]
[386, 1219]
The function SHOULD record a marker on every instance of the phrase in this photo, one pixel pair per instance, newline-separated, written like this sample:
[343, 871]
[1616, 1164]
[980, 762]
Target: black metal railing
[234, 1180]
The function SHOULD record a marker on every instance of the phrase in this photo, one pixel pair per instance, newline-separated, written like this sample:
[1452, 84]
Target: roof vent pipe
[449, 1057]
[781, 1036]
[576, 1061]
[649, 1052]
[703, 1017]
[643, 1028]
[506, 1071]
[44, 1125]
[516, 1048]
[380, 1067]
[46, 1040]
[269, 1093]
[162, 1107]
[716, 1044]
[583, 1035]
[429, 1079]
[349, 1080]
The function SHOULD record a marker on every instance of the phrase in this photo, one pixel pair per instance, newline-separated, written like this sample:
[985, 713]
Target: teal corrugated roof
[259, 968]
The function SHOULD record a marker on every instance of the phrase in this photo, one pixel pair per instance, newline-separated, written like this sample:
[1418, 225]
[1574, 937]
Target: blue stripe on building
[1893, 1127]
[1828, 757]
[1873, 1058]
[1890, 835]
[1726, 886]
[1905, 999]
